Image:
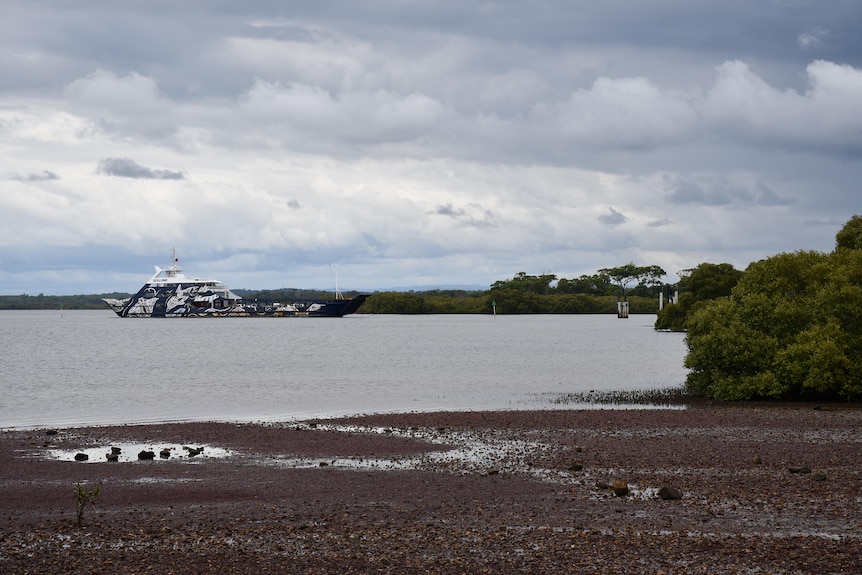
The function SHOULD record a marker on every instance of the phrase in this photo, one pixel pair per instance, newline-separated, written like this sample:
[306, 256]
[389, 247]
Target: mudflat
[707, 489]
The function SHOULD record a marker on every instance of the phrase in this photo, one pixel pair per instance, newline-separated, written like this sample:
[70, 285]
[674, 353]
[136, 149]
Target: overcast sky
[402, 143]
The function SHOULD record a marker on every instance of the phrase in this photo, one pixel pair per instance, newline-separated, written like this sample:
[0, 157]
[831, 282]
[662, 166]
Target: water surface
[92, 367]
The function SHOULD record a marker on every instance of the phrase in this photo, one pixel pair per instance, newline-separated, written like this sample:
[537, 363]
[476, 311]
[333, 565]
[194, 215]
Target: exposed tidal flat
[710, 489]
[93, 368]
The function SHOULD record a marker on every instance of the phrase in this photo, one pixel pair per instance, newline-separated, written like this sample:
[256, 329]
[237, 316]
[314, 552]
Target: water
[91, 367]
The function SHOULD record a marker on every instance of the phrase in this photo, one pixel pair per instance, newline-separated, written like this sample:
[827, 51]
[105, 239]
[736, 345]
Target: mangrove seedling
[83, 497]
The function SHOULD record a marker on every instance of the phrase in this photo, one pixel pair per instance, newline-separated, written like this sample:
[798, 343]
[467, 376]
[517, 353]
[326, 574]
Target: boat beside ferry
[170, 293]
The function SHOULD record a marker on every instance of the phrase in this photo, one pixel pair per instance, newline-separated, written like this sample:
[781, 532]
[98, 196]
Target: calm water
[91, 367]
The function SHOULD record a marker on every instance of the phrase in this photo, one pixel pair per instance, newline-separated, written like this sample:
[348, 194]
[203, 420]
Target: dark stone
[115, 450]
[146, 455]
[669, 493]
[621, 488]
[576, 467]
[165, 453]
[81, 457]
[51, 432]
[193, 451]
[819, 477]
[799, 470]
[112, 457]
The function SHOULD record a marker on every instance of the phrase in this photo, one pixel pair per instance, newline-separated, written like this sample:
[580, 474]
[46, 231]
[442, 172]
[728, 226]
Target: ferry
[170, 293]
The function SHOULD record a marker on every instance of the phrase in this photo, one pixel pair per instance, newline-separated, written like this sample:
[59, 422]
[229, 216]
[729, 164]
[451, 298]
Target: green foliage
[288, 295]
[598, 284]
[395, 302]
[850, 236]
[644, 276]
[83, 497]
[525, 283]
[705, 282]
[674, 315]
[791, 329]
[712, 281]
[42, 301]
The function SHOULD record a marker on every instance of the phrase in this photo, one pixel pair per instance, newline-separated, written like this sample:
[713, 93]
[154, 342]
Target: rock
[81, 457]
[799, 470]
[621, 488]
[576, 467]
[146, 455]
[51, 432]
[165, 453]
[603, 485]
[492, 471]
[112, 456]
[115, 450]
[756, 460]
[669, 493]
[819, 477]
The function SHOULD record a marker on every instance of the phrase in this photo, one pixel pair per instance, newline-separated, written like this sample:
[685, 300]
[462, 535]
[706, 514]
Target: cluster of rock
[165, 453]
[621, 488]
[144, 454]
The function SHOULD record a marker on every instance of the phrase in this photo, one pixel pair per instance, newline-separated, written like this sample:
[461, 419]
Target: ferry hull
[168, 305]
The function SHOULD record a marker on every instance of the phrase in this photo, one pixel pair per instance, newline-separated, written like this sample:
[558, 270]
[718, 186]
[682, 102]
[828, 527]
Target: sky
[398, 144]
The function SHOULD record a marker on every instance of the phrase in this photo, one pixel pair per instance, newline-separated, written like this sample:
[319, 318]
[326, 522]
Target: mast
[338, 294]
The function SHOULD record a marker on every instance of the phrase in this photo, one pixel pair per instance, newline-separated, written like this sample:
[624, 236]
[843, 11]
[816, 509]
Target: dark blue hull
[194, 301]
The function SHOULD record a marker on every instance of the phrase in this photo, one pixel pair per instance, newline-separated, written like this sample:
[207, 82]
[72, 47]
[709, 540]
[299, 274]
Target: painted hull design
[169, 293]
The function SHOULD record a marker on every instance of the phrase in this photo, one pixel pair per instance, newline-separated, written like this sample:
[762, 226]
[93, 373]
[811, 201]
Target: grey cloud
[659, 223]
[613, 217]
[128, 168]
[720, 191]
[766, 196]
[447, 210]
[692, 191]
[36, 177]
[471, 215]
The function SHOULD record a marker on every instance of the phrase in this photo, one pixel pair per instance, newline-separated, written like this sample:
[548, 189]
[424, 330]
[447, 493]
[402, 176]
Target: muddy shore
[748, 489]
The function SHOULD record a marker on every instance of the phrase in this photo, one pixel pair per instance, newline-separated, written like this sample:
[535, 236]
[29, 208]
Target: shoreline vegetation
[389, 302]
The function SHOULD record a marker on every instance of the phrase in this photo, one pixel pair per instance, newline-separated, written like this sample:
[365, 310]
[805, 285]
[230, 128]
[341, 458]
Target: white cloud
[124, 106]
[625, 112]
[826, 116]
[361, 117]
[812, 39]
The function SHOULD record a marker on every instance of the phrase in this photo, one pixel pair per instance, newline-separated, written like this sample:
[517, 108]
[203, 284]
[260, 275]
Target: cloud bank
[422, 144]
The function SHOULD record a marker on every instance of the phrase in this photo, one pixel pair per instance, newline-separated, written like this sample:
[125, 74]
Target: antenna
[335, 273]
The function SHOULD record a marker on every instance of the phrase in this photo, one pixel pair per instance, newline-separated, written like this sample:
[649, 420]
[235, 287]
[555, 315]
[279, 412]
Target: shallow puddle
[125, 452]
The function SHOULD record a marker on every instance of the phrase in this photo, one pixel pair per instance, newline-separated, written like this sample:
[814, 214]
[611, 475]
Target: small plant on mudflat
[83, 497]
